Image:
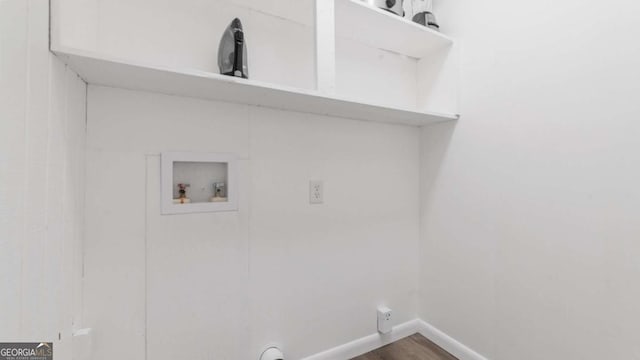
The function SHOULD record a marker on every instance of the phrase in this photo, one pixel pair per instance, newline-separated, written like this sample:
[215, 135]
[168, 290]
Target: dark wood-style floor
[414, 347]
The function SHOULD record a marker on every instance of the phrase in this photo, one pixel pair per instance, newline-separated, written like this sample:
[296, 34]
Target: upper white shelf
[381, 29]
[101, 70]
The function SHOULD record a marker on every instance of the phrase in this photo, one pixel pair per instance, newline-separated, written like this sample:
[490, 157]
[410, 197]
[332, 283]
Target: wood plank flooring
[414, 347]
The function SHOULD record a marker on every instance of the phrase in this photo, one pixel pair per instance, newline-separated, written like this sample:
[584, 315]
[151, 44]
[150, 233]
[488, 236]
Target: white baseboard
[451, 345]
[368, 343]
[375, 341]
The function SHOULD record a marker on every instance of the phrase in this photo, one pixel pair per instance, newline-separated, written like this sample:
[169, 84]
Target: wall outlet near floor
[385, 317]
[316, 192]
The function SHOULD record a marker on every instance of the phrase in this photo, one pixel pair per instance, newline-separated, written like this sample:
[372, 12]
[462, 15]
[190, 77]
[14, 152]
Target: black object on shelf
[232, 52]
[392, 6]
[426, 18]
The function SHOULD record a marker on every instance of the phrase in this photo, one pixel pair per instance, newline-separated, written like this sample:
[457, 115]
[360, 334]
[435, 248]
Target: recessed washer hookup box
[26, 351]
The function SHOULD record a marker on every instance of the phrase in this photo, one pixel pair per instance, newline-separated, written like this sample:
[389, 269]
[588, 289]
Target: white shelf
[102, 70]
[381, 29]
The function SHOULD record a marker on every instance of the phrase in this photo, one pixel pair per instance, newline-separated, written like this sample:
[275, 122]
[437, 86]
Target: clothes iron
[232, 52]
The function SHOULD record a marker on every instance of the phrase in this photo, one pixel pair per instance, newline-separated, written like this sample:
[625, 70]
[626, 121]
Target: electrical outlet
[316, 193]
[385, 319]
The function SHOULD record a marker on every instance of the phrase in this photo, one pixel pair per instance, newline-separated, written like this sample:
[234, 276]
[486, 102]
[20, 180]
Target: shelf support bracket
[325, 46]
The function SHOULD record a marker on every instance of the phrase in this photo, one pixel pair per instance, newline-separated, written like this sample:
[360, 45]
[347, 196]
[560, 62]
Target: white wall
[531, 221]
[374, 75]
[42, 134]
[279, 269]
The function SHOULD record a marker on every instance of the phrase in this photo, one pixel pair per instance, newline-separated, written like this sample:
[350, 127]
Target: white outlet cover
[385, 320]
[316, 192]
